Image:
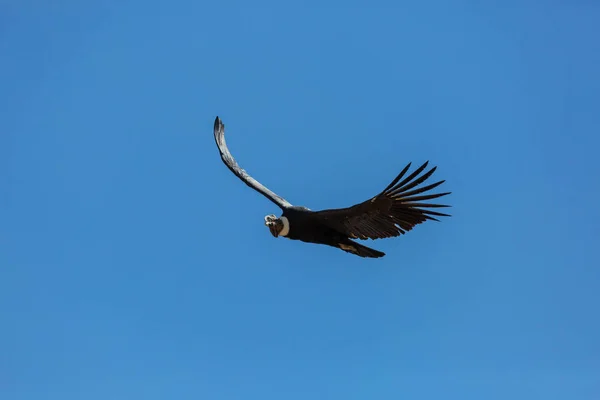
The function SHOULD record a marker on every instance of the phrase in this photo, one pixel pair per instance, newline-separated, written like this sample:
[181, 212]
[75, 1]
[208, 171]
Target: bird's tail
[358, 249]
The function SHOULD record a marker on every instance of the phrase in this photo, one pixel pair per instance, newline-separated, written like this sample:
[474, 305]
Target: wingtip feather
[218, 123]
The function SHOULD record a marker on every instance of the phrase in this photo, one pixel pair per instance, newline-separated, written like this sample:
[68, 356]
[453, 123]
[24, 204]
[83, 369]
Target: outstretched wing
[219, 131]
[393, 212]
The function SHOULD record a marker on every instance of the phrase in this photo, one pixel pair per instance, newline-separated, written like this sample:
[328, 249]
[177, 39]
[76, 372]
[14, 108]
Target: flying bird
[393, 212]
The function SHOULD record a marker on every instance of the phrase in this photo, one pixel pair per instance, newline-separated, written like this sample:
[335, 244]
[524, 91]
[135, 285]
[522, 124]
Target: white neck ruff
[286, 227]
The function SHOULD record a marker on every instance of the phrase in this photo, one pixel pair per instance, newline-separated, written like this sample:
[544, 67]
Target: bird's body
[306, 225]
[392, 212]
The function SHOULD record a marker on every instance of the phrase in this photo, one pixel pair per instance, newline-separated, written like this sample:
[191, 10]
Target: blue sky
[135, 265]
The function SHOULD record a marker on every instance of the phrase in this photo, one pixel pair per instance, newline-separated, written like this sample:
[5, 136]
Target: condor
[393, 212]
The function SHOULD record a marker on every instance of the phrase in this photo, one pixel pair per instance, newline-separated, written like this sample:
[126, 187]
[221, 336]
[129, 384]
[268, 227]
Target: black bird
[393, 212]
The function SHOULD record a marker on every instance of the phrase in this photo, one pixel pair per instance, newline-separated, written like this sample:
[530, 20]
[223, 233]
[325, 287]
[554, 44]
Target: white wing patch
[347, 247]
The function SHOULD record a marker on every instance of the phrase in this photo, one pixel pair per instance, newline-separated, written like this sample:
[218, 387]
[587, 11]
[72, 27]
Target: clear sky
[134, 265]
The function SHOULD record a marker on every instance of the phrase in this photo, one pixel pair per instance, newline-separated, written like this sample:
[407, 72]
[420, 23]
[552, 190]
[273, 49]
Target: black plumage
[396, 210]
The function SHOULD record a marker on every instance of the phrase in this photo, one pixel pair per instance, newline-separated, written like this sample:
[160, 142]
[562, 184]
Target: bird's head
[274, 224]
[277, 226]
